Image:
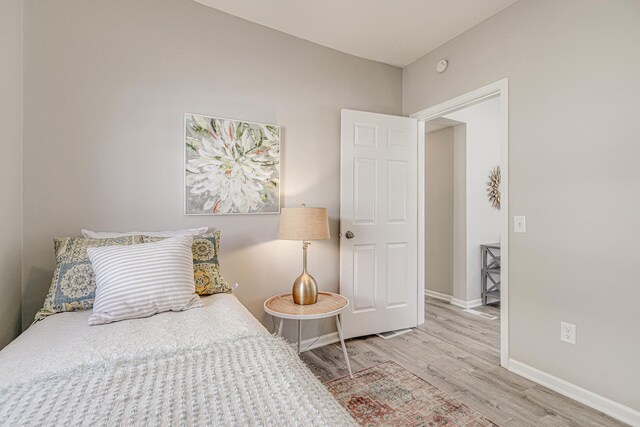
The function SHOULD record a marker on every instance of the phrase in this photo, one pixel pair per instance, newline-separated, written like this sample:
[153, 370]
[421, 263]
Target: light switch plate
[519, 224]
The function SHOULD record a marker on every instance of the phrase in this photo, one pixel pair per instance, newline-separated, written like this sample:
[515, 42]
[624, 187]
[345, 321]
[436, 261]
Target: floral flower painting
[231, 167]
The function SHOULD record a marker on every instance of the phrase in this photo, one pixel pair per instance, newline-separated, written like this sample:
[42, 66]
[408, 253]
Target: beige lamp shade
[304, 224]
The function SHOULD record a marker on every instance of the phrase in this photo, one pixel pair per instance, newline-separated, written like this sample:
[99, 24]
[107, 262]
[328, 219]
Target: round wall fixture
[442, 65]
[493, 187]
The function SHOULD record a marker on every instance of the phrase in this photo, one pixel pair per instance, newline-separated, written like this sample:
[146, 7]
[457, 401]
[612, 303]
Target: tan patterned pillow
[73, 285]
[206, 268]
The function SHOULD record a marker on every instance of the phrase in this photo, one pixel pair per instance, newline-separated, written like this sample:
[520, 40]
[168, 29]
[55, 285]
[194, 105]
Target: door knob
[349, 235]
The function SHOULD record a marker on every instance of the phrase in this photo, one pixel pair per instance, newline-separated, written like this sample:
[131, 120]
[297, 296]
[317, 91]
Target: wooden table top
[329, 304]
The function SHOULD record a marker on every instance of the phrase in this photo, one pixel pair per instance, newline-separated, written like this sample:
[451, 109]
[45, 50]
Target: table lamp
[304, 224]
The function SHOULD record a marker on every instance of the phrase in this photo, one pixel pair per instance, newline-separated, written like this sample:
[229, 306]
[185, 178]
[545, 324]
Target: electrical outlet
[568, 332]
[519, 224]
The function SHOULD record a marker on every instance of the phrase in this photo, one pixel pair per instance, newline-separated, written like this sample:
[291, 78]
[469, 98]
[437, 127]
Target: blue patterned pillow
[73, 285]
[206, 268]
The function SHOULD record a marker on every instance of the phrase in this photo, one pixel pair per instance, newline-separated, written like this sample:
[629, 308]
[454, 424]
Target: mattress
[215, 365]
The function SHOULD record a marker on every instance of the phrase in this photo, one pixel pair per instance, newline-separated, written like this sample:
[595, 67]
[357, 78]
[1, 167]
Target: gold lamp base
[305, 290]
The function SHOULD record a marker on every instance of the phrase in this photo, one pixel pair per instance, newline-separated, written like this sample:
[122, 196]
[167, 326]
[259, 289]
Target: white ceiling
[395, 32]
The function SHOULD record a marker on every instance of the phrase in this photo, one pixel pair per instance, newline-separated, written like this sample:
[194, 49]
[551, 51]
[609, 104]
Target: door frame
[499, 89]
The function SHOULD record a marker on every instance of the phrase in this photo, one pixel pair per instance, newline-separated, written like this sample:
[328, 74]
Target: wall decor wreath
[493, 187]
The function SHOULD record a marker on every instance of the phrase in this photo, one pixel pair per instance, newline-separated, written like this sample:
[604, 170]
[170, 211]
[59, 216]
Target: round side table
[328, 305]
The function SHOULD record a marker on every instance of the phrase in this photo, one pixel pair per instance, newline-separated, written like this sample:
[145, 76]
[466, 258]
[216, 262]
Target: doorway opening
[462, 235]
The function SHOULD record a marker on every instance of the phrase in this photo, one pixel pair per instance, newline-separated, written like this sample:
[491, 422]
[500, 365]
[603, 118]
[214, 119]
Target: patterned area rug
[389, 395]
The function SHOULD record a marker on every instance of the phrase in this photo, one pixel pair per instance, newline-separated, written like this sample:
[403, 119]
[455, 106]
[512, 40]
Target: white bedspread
[65, 340]
[225, 369]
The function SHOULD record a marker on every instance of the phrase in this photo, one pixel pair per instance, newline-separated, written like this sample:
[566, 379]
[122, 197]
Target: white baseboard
[466, 304]
[614, 409]
[321, 341]
[455, 301]
[438, 295]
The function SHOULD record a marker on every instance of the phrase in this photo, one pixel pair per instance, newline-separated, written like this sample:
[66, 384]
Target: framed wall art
[231, 166]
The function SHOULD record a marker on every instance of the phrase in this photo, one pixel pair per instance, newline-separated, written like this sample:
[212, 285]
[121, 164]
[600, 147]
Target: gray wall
[106, 86]
[482, 221]
[438, 265]
[459, 276]
[574, 97]
[10, 168]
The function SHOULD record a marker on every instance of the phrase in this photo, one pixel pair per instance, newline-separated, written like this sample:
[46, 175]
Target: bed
[215, 365]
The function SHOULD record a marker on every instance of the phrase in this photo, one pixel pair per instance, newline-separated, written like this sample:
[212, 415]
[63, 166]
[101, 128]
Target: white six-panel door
[378, 222]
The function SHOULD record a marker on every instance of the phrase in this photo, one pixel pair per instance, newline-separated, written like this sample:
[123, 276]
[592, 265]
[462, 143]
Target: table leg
[344, 347]
[299, 335]
[280, 327]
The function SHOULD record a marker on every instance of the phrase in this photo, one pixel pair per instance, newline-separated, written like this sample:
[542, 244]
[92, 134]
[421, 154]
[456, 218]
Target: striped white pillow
[142, 280]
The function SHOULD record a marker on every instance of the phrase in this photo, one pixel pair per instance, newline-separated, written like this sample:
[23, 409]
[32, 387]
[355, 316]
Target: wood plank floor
[459, 353]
